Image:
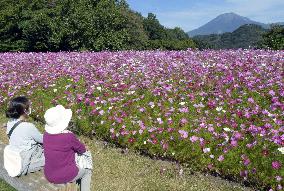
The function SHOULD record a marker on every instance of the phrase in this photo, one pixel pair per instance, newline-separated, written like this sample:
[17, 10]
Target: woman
[24, 136]
[62, 149]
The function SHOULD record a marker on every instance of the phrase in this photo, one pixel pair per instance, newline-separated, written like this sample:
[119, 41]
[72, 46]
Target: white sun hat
[57, 119]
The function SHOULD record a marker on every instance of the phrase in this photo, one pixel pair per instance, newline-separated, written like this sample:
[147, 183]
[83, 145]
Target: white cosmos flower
[68, 86]
[226, 139]
[206, 150]
[182, 103]
[227, 129]
[281, 149]
[54, 90]
[99, 88]
[219, 108]
[130, 92]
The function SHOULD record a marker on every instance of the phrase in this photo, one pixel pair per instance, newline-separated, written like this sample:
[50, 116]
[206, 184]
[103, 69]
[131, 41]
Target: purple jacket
[59, 151]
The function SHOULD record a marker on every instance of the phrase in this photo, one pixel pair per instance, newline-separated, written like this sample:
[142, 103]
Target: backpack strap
[13, 128]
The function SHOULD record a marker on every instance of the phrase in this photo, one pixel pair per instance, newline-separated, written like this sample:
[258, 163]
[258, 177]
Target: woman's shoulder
[12, 122]
[28, 124]
[65, 133]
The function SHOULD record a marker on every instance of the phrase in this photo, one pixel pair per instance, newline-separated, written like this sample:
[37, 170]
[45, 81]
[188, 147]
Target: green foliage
[274, 38]
[176, 33]
[247, 36]
[48, 25]
[10, 34]
[154, 29]
[163, 38]
[171, 44]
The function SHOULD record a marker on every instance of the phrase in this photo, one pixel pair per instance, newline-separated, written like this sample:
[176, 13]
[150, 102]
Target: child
[60, 148]
[24, 136]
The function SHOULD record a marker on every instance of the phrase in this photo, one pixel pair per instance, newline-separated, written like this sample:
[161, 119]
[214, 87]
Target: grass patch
[5, 187]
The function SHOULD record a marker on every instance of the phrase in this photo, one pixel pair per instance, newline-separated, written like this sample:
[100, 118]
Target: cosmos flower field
[218, 111]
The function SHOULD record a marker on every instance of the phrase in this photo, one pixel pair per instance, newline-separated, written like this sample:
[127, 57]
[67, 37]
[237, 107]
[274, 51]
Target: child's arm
[77, 146]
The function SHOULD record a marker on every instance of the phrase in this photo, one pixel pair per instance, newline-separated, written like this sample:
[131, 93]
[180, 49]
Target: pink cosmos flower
[131, 140]
[276, 165]
[251, 100]
[246, 162]
[141, 131]
[94, 111]
[101, 112]
[211, 129]
[249, 145]
[142, 125]
[184, 134]
[237, 135]
[234, 143]
[210, 166]
[183, 121]
[154, 141]
[221, 158]
[184, 110]
[193, 138]
[170, 121]
[165, 146]
[79, 97]
[118, 119]
[278, 178]
[244, 173]
[92, 104]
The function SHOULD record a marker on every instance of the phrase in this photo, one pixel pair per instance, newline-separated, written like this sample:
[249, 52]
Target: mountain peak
[226, 22]
[229, 14]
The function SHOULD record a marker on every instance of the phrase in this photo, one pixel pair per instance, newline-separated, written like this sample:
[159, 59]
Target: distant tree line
[246, 36]
[274, 38]
[69, 25]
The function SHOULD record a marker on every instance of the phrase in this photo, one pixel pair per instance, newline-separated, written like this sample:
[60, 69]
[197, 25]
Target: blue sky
[190, 14]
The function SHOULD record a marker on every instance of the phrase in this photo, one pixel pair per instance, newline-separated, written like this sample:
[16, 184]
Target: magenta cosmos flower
[276, 165]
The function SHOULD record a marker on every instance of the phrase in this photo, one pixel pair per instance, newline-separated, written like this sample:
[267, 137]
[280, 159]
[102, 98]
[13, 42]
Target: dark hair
[18, 106]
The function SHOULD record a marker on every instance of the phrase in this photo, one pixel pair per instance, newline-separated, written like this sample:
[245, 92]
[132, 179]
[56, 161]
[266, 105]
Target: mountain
[227, 22]
[246, 36]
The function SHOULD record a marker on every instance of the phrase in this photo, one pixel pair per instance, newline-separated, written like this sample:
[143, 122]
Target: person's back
[24, 137]
[60, 150]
